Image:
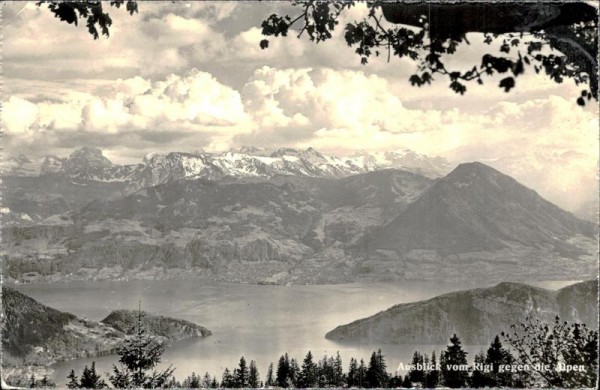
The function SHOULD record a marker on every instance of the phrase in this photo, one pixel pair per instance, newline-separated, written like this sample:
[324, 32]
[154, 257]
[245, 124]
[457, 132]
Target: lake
[257, 322]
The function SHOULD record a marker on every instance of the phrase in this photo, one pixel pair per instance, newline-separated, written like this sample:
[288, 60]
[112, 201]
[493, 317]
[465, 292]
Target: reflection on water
[258, 322]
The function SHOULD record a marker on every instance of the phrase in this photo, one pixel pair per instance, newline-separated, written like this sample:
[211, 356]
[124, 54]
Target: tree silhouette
[353, 373]
[558, 39]
[433, 376]
[309, 374]
[73, 381]
[283, 371]
[548, 348]
[228, 379]
[479, 377]
[242, 374]
[454, 364]
[417, 373]
[192, 381]
[206, 381]
[90, 11]
[90, 379]
[138, 355]
[270, 379]
[498, 355]
[253, 375]
[361, 374]
[377, 375]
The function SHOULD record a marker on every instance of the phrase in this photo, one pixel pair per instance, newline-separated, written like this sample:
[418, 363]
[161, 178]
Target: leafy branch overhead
[560, 40]
[557, 39]
[91, 11]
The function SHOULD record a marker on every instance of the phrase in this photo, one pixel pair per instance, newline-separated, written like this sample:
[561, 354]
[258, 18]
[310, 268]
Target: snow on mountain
[90, 164]
[406, 159]
[19, 166]
[52, 164]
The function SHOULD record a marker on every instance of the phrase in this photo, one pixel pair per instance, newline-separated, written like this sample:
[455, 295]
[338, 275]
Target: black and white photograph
[299, 194]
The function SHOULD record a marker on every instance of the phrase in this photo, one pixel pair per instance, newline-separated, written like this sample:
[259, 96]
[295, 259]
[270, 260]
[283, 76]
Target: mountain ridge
[477, 208]
[383, 225]
[90, 164]
[476, 315]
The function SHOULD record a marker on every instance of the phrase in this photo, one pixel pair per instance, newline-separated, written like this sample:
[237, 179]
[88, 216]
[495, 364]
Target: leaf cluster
[539, 344]
[96, 20]
[549, 51]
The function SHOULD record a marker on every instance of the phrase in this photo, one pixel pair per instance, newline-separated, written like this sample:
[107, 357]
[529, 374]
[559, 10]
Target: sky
[191, 76]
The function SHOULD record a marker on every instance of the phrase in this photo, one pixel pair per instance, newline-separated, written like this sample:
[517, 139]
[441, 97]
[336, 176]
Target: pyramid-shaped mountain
[477, 208]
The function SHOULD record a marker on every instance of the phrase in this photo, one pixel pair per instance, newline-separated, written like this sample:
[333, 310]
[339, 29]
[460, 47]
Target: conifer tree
[338, 371]
[242, 374]
[454, 370]
[270, 380]
[283, 371]
[214, 384]
[425, 370]
[479, 378]
[294, 372]
[253, 376]
[227, 381]
[120, 378]
[90, 379]
[496, 356]
[417, 374]
[372, 372]
[361, 374]
[139, 354]
[353, 373]
[172, 384]
[433, 375]
[309, 374]
[395, 381]
[377, 375]
[192, 381]
[73, 381]
[206, 380]
[325, 372]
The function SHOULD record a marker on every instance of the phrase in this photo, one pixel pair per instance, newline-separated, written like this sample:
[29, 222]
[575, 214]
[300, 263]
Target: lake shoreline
[259, 322]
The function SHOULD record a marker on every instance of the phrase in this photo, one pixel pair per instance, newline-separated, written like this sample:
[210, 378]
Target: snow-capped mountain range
[90, 164]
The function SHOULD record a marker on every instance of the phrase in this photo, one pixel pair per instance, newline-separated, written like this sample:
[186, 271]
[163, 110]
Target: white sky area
[185, 77]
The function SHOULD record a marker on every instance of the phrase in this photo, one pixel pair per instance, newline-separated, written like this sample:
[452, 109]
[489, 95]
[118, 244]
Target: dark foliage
[139, 354]
[90, 379]
[309, 374]
[548, 349]
[563, 46]
[97, 21]
[377, 375]
[29, 323]
[454, 364]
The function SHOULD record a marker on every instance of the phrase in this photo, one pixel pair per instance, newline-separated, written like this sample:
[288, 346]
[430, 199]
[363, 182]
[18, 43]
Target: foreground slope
[476, 316]
[35, 334]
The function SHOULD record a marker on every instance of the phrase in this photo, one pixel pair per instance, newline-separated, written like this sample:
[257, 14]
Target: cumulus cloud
[194, 105]
[151, 43]
[134, 93]
[549, 144]
[324, 105]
